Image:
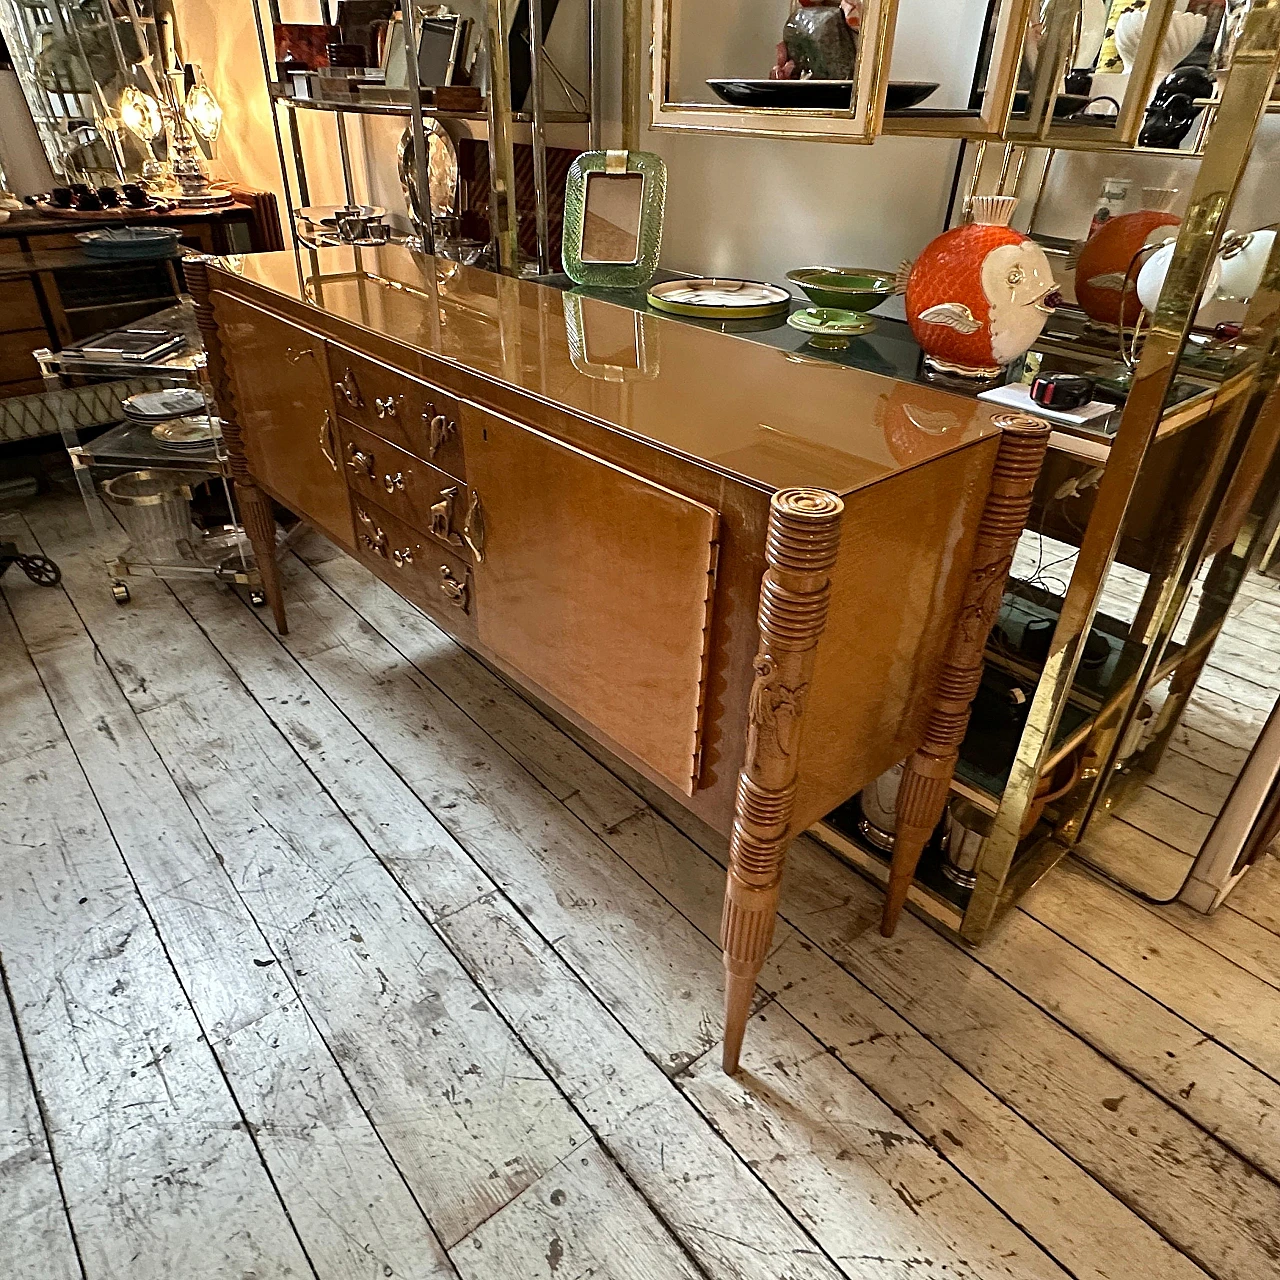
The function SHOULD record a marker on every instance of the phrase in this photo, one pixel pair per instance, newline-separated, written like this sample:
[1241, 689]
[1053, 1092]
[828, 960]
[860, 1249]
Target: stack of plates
[130, 244]
[161, 406]
[185, 435]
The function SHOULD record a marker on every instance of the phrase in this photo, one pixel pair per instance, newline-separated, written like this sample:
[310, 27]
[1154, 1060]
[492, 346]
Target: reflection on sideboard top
[770, 417]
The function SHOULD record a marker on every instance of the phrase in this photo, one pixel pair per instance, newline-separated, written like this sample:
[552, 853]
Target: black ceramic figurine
[1173, 111]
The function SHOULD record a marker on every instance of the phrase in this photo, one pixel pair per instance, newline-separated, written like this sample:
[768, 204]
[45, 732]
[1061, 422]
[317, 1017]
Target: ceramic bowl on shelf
[846, 288]
[830, 327]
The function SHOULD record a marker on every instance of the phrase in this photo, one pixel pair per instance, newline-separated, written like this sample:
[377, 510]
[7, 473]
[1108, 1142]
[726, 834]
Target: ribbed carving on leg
[804, 530]
[927, 779]
[757, 860]
[791, 621]
[764, 808]
[801, 545]
[746, 932]
[921, 800]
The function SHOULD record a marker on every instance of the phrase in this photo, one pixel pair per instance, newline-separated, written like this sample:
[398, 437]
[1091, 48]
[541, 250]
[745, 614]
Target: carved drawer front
[597, 586]
[417, 566]
[280, 384]
[420, 494]
[413, 414]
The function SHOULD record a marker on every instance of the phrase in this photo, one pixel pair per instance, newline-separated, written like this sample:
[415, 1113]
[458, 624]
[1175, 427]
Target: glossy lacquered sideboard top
[769, 417]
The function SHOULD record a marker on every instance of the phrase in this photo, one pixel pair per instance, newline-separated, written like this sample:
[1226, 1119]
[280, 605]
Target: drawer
[416, 566]
[20, 306]
[415, 415]
[421, 495]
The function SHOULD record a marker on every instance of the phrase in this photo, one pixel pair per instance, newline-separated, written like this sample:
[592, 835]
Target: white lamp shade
[1242, 271]
[1154, 270]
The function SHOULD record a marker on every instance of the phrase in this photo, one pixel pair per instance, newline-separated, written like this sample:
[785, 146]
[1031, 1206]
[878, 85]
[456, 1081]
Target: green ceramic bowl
[848, 288]
[830, 327]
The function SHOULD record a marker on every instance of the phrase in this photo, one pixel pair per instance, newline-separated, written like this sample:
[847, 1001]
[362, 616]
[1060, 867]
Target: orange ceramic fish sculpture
[975, 297]
[1105, 260]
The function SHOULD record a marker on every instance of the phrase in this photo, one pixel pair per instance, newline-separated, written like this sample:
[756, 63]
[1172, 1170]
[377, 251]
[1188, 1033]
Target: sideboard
[759, 580]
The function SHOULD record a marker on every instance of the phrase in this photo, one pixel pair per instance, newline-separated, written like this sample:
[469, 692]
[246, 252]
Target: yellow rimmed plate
[717, 298]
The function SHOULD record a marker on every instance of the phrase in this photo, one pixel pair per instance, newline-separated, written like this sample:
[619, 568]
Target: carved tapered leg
[803, 538]
[260, 524]
[255, 507]
[927, 779]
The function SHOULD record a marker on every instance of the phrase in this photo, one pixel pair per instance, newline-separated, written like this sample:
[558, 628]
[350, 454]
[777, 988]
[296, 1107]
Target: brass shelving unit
[1215, 420]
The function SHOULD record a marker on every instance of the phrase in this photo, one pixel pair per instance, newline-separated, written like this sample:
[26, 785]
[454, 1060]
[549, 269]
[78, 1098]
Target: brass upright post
[503, 222]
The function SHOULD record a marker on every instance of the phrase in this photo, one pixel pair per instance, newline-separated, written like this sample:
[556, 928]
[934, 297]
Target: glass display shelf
[354, 104]
[131, 444]
[183, 366]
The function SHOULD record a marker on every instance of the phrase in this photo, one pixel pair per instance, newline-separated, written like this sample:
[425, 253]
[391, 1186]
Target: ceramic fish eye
[1017, 276]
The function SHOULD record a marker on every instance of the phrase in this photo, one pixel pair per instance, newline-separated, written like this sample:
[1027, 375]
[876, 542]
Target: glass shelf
[181, 365]
[354, 105]
[131, 444]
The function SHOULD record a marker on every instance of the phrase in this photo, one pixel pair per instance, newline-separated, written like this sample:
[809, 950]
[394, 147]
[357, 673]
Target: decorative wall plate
[712, 298]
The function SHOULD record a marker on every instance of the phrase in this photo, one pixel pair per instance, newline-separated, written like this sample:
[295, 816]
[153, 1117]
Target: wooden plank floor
[331, 957]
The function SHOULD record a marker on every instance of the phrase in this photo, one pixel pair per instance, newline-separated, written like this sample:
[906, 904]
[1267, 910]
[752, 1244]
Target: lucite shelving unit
[223, 553]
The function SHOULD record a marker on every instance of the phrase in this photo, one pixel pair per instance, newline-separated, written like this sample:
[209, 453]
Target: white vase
[1181, 36]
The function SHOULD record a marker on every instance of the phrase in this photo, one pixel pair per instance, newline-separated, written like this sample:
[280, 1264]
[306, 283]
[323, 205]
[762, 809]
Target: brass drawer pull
[349, 390]
[392, 483]
[442, 517]
[360, 461]
[473, 527]
[440, 429]
[327, 445]
[293, 355]
[375, 541]
[454, 592]
[402, 558]
[386, 408]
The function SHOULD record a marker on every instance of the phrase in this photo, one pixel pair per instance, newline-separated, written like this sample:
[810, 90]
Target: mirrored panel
[776, 68]
[966, 69]
[90, 72]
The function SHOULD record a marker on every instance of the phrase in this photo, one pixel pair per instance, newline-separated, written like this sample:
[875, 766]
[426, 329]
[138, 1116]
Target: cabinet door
[595, 584]
[282, 401]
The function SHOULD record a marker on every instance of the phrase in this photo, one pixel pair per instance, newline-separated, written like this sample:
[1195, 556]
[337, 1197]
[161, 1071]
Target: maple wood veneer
[740, 571]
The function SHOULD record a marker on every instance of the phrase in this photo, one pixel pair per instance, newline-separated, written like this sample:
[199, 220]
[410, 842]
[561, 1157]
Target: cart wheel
[120, 592]
[41, 571]
[257, 598]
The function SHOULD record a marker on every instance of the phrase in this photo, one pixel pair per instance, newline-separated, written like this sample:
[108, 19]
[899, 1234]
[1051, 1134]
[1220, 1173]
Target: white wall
[754, 207]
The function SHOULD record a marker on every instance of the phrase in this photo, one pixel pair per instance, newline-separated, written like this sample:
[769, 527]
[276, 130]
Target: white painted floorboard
[412, 985]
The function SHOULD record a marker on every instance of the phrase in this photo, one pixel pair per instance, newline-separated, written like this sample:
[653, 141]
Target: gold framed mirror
[721, 67]
[1082, 98]
[975, 58]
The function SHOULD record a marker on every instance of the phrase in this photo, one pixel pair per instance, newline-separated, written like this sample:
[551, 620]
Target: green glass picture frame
[614, 204]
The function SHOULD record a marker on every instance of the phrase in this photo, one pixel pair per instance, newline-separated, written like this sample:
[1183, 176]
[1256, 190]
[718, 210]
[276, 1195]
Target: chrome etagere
[498, 124]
